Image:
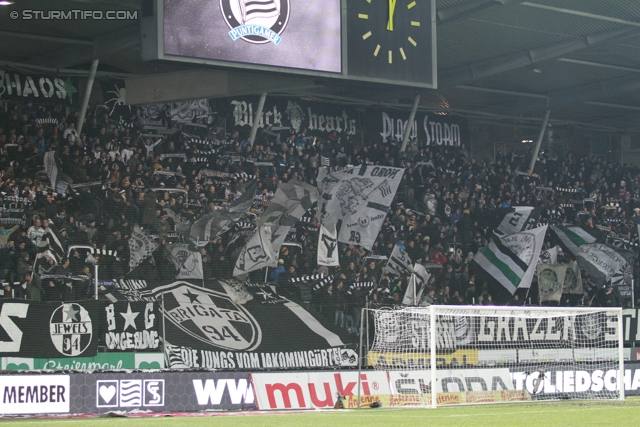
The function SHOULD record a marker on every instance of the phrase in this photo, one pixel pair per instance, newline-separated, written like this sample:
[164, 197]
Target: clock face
[390, 39]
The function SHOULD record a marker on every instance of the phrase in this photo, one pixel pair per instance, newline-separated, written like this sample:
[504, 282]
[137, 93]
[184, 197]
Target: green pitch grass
[508, 415]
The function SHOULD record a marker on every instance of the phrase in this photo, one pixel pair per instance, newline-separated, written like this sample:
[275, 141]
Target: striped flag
[512, 259]
[571, 237]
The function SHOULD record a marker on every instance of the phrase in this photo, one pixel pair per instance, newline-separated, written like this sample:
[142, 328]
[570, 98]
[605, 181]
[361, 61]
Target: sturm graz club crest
[256, 21]
[71, 329]
[210, 317]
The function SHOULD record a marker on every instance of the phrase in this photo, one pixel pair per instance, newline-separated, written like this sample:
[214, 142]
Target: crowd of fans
[127, 173]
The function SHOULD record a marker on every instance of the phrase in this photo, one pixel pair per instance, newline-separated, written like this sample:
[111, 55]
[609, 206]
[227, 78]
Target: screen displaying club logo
[71, 329]
[256, 21]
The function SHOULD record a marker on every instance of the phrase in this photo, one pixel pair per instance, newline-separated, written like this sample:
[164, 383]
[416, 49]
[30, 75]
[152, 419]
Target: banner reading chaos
[30, 87]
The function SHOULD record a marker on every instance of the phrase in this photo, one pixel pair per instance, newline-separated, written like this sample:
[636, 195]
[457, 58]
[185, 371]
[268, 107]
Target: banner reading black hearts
[291, 114]
[235, 325]
[47, 329]
[132, 326]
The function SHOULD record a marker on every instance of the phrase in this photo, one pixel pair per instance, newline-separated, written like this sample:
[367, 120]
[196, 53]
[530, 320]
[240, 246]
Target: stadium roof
[503, 60]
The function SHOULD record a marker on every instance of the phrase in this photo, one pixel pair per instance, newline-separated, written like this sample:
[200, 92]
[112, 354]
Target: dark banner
[631, 327]
[37, 87]
[42, 329]
[431, 128]
[291, 114]
[132, 326]
[234, 325]
[89, 393]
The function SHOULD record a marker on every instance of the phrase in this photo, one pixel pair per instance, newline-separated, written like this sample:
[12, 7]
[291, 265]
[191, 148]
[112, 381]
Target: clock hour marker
[375, 53]
[411, 5]
[390, 57]
[412, 41]
[404, 57]
[366, 35]
[415, 23]
[363, 16]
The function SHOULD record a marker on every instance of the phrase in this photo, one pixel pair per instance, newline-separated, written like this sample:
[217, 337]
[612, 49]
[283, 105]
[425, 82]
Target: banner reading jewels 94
[48, 329]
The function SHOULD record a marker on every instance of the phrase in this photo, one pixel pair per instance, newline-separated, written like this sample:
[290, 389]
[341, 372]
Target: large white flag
[187, 262]
[357, 200]
[291, 201]
[417, 284]
[604, 263]
[141, 246]
[328, 246]
[257, 253]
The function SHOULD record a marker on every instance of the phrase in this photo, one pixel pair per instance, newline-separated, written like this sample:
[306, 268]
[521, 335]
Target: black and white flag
[358, 198]
[605, 264]
[328, 246]
[187, 262]
[141, 246]
[573, 280]
[257, 253]
[398, 263]
[59, 181]
[549, 256]
[291, 201]
[220, 221]
[417, 284]
[516, 219]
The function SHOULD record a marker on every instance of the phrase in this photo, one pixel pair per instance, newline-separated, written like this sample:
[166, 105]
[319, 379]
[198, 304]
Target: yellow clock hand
[392, 8]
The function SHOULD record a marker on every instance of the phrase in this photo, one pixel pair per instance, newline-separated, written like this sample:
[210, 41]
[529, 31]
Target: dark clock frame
[406, 55]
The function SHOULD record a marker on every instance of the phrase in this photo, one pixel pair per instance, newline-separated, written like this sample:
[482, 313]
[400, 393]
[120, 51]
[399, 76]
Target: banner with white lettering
[292, 114]
[228, 324]
[606, 264]
[48, 329]
[38, 88]
[434, 129]
[132, 326]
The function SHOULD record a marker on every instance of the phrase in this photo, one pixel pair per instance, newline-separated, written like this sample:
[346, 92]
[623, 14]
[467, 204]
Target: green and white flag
[512, 259]
[572, 237]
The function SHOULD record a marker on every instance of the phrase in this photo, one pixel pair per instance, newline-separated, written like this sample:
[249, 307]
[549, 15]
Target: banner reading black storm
[47, 329]
[431, 128]
[36, 87]
[235, 325]
[292, 114]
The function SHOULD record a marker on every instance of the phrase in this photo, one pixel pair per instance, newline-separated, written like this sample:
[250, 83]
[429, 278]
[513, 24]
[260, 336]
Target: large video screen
[300, 34]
